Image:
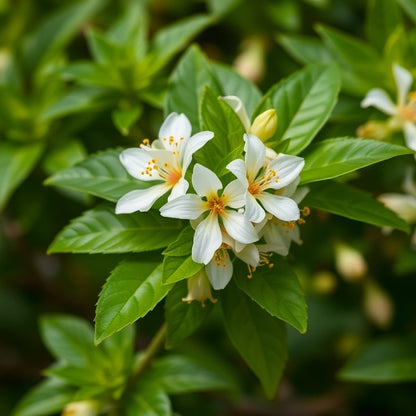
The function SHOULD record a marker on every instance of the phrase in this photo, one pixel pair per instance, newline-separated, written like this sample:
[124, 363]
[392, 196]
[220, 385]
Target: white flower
[404, 111]
[257, 179]
[165, 162]
[199, 289]
[207, 237]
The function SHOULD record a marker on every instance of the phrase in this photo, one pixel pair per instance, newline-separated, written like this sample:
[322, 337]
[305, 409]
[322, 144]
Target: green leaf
[100, 230]
[133, 289]
[16, 163]
[278, 291]
[383, 17]
[335, 157]
[390, 360]
[222, 7]
[100, 175]
[178, 374]
[182, 319]
[64, 155]
[103, 50]
[148, 400]
[47, 398]
[178, 268]
[409, 7]
[303, 102]
[125, 118]
[182, 245]
[187, 83]
[217, 116]
[258, 337]
[344, 200]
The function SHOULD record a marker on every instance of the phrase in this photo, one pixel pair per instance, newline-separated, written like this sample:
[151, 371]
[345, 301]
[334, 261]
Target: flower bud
[349, 262]
[324, 282]
[264, 125]
[199, 288]
[82, 408]
[378, 130]
[378, 305]
[250, 63]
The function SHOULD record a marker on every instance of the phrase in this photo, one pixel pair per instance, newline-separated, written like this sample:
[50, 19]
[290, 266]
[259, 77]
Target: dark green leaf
[100, 230]
[409, 7]
[344, 200]
[148, 400]
[133, 289]
[182, 245]
[278, 291]
[178, 268]
[125, 118]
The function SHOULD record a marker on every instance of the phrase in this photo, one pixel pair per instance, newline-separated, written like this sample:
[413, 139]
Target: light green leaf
[303, 102]
[335, 157]
[409, 7]
[182, 245]
[178, 374]
[123, 119]
[258, 337]
[16, 163]
[100, 230]
[222, 7]
[187, 83]
[133, 289]
[182, 319]
[278, 291]
[148, 400]
[47, 398]
[100, 175]
[179, 268]
[390, 360]
[344, 200]
[103, 50]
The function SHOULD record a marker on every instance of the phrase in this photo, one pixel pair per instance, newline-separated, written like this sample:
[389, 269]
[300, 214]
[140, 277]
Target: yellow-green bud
[81, 408]
[377, 130]
[199, 288]
[349, 262]
[264, 125]
[378, 305]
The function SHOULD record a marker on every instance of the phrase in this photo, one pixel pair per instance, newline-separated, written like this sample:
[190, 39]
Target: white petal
[193, 144]
[283, 208]
[176, 125]
[234, 194]
[249, 254]
[135, 161]
[404, 81]
[379, 99]
[254, 212]
[207, 239]
[179, 189]
[409, 130]
[255, 155]
[205, 181]
[238, 168]
[239, 227]
[403, 205]
[300, 194]
[141, 199]
[187, 207]
[220, 269]
[278, 237]
[287, 168]
[236, 104]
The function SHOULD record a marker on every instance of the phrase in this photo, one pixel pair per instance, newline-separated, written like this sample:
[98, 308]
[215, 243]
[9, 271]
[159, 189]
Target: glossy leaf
[303, 102]
[125, 118]
[16, 163]
[133, 289]
[182, 246]
[100, 230]
[261, 340]
[335, 157]
[278, 291]
[182, 319]
[148, 400]
[179, 268]
[349, 202]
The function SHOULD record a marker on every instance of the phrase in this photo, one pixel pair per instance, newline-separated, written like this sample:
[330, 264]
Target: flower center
[221, 256]
[262, 182]
[173, 144]
[408, 112]
[216, 205]
[167, 172]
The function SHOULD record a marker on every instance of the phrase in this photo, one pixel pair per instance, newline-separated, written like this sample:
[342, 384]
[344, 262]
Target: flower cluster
[251, 216]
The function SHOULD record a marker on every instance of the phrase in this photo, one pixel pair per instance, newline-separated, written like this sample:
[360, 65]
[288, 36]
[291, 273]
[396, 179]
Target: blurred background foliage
[79, 77]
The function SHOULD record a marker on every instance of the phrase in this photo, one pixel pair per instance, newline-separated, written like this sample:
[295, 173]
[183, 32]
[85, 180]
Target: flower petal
[287, 168]
[403, 80]
[141, 199]
[255, 155]
[236, 104]
[254, 212]
[249, 254]
[234, 194]
[179, 189]
[193, 144]
[220, 269]
[207, 239]
[409, 130]
[238, 168]
[379, 99]
[283, 208]
[187, 207]
[280, 237]
[177, 126]
[205, 181]
[135, 161]
[239, 227]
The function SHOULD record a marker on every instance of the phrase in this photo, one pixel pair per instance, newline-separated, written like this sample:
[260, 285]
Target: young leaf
[303, 102]
[335, 157]
[178, 268]
[278, 291]
[16, 162]
[187, 83]
[148, 400]
[125, 118]
[133, 289]
[258, 337]
[344, 200]
[47, 398]
[389, 360]
[182, 319]
[101, 230]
